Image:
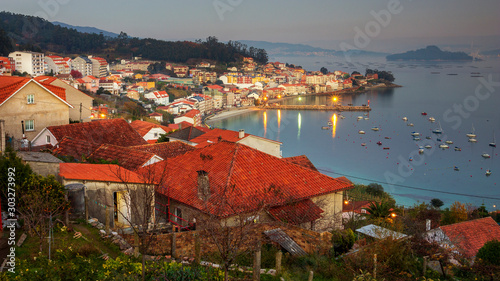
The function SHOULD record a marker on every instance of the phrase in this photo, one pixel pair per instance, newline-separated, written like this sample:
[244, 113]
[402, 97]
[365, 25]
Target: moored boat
[443, 146]
[449, 142]
[415, 134]
[405, 118]
[375, 128]
[472, 133]
[432, 119]
[457, 148]
[428, 146]
[361, 132]
[438, 130]
[472, 140]
[488, 172]
[486, 155]
[424, 113]
[379, 143]
[325, 127]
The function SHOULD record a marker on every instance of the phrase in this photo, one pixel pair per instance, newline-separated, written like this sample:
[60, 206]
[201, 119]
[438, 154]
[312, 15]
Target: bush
[342, 241]
[489, 253]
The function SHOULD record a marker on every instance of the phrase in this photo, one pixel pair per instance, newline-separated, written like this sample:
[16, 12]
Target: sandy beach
[230, 113]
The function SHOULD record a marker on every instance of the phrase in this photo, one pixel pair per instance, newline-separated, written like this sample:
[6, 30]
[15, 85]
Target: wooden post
[425, 266]
[197, 248]
[66, 212]
[257, 261]
[279, 256]
[86, 208]
[311, 275]
[375, 266]
[106, 211]
[173, 245]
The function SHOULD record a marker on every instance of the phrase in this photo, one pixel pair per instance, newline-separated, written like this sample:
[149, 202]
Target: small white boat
[493, 144]
[325, 127]
[432, 119]
[360, 117]
[472, 140]
[342, 116]
[375, 129]
[416, 138]
[471, 134]
[438, 130]
[415, 134]
[449, 142]
[363, 144]
[405, 119]
[361, 132]
[329, 123]
[409, 124]
[420, 149]
[443, 146]
[486, 155]
[428, 146]
[366, 118]
[488, 172]
[457, 148]
[428, 137]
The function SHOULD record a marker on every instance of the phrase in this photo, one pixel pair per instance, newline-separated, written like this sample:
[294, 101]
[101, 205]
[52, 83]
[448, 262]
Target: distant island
[430, 53]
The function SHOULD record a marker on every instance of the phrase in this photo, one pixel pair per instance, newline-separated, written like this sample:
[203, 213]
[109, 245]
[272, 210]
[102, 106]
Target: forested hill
[430, 53]
[37, 34]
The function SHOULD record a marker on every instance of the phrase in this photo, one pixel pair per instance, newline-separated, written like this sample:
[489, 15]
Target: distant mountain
[87, 29]
[430, 53]
[293, 50]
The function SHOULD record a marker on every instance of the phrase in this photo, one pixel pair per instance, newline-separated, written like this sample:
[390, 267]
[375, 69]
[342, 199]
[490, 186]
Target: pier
[319, 107]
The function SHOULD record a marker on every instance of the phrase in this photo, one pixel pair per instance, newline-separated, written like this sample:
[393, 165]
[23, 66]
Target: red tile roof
[470, 236]
[302, 160]
[110, 131]
[10, 84]
[165, 150]
[78, 149]
[127, 158]
[242, 175]
[358, 206]
[214, 135]
[192, 113]
[297, 213]
[98, 172]
[143, 127]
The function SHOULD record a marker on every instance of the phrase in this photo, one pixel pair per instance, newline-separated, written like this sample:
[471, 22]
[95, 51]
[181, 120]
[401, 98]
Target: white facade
[29, 62]
[83, 65]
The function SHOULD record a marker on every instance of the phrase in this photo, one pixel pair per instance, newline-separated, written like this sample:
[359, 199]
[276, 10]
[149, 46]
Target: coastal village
[129, 146]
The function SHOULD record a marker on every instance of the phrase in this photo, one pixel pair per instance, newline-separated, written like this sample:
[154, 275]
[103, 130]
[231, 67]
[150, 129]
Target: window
[178, 214]
[48, 139]
[29, 125]
[31, 99]
[156, 135]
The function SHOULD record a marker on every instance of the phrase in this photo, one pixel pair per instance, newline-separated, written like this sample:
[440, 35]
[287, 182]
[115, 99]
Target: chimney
[2, 137]
[427, 225]
[241, 134]
[203, 185]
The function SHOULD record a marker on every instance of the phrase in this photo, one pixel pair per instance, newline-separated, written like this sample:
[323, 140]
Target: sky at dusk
[321, 23]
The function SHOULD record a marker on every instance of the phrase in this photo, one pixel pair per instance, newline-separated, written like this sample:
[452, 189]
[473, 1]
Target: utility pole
[81, 113]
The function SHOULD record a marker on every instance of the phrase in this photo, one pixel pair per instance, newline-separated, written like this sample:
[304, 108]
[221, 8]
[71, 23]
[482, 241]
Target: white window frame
[27, 126]
[30, 99]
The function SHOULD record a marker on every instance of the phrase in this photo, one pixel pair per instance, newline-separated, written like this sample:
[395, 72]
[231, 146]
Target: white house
[159, 97]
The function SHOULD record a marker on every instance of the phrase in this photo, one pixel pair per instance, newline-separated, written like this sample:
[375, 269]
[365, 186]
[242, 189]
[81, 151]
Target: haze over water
[339, 151]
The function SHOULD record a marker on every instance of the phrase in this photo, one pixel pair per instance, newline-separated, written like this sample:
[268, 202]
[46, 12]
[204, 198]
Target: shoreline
[229, 113]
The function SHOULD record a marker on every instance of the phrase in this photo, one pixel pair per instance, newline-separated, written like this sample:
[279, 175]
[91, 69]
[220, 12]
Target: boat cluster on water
[445, 145]
[416, 136]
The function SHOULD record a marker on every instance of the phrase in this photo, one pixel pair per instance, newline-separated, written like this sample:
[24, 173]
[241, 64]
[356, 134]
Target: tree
[487, 262]
[379, 212]
[436, 203]
[375, 189]
[22, 171]
[342, 241]
[5, 44]
[324, 70]
[76, 74]
[219, 82]
[41, 200]
[455, 214]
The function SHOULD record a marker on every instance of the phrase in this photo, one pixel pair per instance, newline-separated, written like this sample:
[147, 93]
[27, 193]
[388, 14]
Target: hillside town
[128, 147]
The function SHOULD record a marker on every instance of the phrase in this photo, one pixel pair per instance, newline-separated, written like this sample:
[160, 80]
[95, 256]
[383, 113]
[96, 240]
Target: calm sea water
[457, 102]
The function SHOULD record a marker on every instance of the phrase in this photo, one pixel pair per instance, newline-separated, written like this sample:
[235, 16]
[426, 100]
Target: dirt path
[95, 240]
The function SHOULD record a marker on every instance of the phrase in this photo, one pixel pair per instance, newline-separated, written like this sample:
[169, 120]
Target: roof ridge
[231, 167]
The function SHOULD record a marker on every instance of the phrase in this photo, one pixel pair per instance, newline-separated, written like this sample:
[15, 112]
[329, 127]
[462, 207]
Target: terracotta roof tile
[358, 206]
[297, 213]
[110, 131]
[97, 172]
[127, 158]
[470, 236]
[165, 150]
[10, 84]
[301, 160]
[246, 173]
[78, 149]
[215, 135]
[143, 127]
[192, 113]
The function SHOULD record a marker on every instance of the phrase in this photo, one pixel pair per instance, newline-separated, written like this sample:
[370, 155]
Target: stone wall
[310, 241]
